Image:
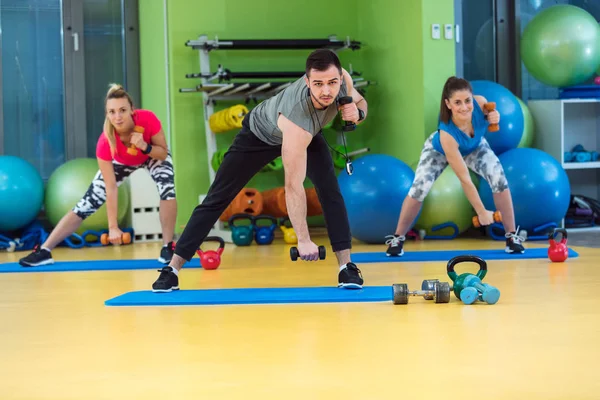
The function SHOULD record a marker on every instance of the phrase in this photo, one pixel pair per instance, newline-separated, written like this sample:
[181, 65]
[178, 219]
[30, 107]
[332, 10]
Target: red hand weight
[558, 251]
[211, 259]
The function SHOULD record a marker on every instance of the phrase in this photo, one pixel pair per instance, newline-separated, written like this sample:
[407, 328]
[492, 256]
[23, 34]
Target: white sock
[175, 271]
[342, 267]
[45, 248]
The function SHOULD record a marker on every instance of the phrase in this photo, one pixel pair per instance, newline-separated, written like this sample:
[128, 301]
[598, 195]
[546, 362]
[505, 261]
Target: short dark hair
[322, 60]
[452, 85]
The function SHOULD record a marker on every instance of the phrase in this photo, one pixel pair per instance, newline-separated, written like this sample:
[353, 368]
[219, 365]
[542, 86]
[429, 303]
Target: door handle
[75, 37]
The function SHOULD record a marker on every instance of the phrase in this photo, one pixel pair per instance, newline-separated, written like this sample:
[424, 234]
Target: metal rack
[218, 86]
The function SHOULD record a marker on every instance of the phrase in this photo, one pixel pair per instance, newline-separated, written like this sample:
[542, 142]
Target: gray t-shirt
[295, 104]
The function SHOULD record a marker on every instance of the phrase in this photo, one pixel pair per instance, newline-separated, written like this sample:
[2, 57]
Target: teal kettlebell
[264, 234]
[241, 235]
[459, 280]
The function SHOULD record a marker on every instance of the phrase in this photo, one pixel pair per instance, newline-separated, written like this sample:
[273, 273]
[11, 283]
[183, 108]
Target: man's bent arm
[357, 98]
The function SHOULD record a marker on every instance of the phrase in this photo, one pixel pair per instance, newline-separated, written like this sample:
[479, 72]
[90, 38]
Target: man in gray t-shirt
[295, 104]
[287, 125]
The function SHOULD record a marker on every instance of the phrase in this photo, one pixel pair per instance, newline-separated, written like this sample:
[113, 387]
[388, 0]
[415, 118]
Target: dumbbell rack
[246, 91]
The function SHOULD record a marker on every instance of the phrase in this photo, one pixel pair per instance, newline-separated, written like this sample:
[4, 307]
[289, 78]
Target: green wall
[410, 68]
[398, 53]
[152, 59]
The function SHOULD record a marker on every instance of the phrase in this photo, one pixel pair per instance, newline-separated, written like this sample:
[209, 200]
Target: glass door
[476, 39]
[110, 36]
[33, 96]
[58, 58]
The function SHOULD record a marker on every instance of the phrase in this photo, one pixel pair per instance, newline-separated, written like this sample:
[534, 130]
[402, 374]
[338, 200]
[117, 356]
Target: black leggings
[245, 158]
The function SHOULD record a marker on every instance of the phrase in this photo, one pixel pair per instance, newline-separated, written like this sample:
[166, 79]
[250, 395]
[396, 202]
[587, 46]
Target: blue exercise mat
[92, 265]
[253, 296]
[446, 255]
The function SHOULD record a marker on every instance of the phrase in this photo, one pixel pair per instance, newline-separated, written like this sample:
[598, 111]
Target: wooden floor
[541, 341]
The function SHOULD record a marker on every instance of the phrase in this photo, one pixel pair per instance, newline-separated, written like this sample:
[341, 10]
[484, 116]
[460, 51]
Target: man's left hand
[349, 112]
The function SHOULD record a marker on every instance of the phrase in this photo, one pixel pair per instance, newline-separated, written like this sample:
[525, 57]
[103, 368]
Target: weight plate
[442, 292]
[429, 285]
[400, 293]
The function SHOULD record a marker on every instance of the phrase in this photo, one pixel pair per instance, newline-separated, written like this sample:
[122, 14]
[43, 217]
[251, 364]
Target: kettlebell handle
[466, 258]
[264, 216]
[273, 220]
[282, 221]
[552, 235]
[217, 239]
[236, 217]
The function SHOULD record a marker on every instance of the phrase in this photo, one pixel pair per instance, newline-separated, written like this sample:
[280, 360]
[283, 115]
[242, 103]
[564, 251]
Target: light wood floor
[541, 341]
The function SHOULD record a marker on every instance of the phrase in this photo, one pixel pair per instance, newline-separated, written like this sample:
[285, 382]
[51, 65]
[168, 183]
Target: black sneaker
[350, 277]
[396, 244]
[37, 258]
[167, 281]
[513, 243]
[166, 253]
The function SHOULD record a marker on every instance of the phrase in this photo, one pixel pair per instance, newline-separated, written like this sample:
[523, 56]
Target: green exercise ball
[560, 46]
[528, 127]
[67, 185]
[446, 202]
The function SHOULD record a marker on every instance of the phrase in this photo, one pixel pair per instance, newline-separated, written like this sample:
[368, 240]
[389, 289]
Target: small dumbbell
[440, 293]
[348, 125]
[132, 150]
[497, 218]
[470, 295]
[294, 254]
[489, 107]
[487, 293]
[125, 238]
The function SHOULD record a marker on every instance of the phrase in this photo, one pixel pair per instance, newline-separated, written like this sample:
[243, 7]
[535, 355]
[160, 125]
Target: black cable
[349, 168]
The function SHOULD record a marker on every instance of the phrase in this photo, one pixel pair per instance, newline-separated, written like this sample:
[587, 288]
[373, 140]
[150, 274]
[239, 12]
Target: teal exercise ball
[561, 46]
[21, 193]
[67, 185]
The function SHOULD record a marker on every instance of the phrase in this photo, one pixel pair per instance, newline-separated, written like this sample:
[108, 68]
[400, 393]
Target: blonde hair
[115, 91]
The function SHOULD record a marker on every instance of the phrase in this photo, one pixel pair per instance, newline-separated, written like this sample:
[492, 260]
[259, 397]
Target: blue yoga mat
[446, 255]
[92, 265]
[253, 296]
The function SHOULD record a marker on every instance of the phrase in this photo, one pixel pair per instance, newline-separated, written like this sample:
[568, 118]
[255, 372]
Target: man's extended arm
[293, 155]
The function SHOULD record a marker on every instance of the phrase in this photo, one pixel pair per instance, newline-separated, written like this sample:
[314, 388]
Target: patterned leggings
[161, 172]
[483, 161]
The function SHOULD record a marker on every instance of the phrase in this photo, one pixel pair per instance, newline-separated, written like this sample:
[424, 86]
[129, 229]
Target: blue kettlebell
[241, 234]
[264, 234]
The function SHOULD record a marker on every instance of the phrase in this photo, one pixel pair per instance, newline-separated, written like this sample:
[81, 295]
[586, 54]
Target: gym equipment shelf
[247, 90]
[559, 126]
[267, 44]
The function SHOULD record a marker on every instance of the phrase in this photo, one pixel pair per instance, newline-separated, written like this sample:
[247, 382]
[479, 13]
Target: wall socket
[435, 31]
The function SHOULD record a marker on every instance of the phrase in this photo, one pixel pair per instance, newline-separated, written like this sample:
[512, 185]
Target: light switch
[448, 31]
[435, 31]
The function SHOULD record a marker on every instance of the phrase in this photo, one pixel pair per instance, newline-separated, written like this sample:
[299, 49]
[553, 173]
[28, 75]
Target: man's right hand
[308, 251]
[486, 217]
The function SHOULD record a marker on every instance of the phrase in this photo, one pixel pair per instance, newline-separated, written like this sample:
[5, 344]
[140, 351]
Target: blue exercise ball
[512, 121]
[374, 194]
[539, 187]
[21, 193]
